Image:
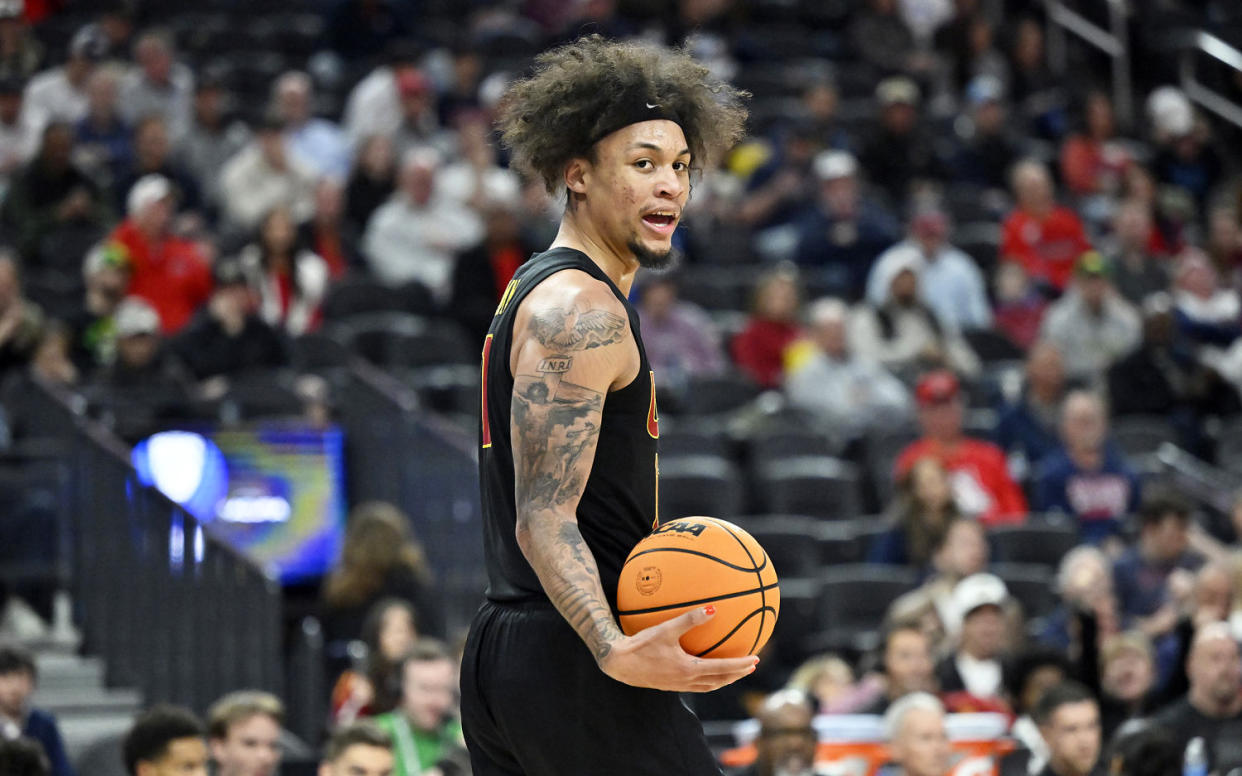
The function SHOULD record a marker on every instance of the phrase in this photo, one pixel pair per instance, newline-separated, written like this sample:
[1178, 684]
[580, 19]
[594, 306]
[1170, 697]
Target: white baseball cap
[135, 316]
[830, 165]
[978, 590]
[148, 189]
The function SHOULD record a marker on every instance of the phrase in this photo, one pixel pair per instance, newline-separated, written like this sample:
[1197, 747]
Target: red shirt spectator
[759, 349]
[980, 476]
[169, 272]
[1045, 238]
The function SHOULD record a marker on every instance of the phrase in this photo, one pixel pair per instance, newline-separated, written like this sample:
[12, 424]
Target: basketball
[701, 561]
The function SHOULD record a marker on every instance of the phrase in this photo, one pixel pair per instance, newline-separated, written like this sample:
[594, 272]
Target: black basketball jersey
[618, 506]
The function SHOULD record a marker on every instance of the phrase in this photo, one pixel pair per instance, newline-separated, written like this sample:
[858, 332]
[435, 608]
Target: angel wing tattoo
[569, 330]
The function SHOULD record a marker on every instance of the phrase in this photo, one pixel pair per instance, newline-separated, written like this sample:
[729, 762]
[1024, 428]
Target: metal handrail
[1114, 42]
[1200, 42]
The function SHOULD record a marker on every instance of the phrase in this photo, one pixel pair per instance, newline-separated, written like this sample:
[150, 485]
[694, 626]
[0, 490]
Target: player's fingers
[724, 666]
[684, 622]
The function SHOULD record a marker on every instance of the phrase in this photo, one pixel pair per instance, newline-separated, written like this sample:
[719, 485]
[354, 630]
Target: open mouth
[660, 220]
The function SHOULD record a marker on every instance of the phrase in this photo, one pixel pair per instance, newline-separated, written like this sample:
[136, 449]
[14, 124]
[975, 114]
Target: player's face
[636, 189]
[360, 760]
[183, 757]
[251, 748]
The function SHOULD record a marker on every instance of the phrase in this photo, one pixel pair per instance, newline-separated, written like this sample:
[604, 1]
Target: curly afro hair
[562, 109]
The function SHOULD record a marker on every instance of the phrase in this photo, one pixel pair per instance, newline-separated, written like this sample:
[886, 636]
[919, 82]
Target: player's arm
[571, 346]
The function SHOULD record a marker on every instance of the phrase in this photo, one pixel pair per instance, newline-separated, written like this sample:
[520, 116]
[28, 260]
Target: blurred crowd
[981, 290]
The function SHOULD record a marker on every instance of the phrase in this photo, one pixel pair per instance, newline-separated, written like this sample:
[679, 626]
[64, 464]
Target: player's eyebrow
[654, 147]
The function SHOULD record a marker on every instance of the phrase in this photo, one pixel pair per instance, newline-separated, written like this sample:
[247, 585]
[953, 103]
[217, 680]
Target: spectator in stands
[23, 757]
[481, 273]
[374, 105]
[904, 334]
[327, 234]
[19, 134]
[153, 156]
[1208, 312]
[52, 362]
[917, 739]
[319, 143]
[18, 677]
[415, 236]
[1092, 325]
[920, 516]
[852, 393]
[243, 733]
[950, 282]
[21, 320]
[145, 381]
[264, 175]
[288, 279]
[881, 38]
[786, 742]
[166, 740]
[759, 348]
[981, 482]
[1085, 586]
[1163, 376]
[213, 138]
[1187, 158]
[358, 749]
[955, 41]
[51, 195]
[1086, 478]
[472, 175]
[360, 28]
[1137, 273]
[680, 339]
[1027, 676]
[1020, 306]
[974, 668]
[1035, 89]
[907, 665]
[58, 95]
[826, 679]
[104, 140]
[844, 231]
[420, 122]
[986, 149]
[1212, 709]
[106, 274]
[1069, 722]
[388, 633]
[424, 726]
[1044, 237]
[380, 559]
[1143, 748]
[20, 52]
[159, 85]
[1154, 579]
[897, 153]
[1224, 241]
[1027, 427]
[372, 181]
[169, 272]
[227, 337]
[1094, 160]
[1127, 680]
[777, 192]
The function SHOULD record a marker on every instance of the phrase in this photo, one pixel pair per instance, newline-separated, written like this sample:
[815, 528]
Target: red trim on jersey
[487, 427]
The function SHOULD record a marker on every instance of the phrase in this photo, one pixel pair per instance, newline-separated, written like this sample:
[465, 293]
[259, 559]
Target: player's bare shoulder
[573, 316]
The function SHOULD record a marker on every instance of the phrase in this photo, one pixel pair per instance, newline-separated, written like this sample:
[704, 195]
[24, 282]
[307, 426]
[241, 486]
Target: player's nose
[668, 183]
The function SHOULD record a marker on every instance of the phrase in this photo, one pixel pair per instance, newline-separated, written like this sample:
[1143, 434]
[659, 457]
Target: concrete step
[79, 733]
[58, 672]
[87, 701]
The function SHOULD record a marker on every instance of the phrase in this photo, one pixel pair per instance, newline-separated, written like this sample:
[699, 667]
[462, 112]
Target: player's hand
[654, 658]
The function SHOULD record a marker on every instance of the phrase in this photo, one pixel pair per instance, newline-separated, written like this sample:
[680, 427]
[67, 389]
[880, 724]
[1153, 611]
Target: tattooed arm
[572, 344]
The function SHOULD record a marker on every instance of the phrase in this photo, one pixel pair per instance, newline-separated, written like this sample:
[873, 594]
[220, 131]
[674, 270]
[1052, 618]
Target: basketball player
[550, 685]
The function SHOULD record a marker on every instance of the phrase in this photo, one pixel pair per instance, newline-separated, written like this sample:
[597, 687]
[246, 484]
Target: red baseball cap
[411, 82]
[936, 388]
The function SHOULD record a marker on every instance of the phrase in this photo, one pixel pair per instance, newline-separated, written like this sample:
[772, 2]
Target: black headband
[631, 107]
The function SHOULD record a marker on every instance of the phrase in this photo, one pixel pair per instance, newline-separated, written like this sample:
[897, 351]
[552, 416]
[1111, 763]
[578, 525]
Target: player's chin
[654, 254]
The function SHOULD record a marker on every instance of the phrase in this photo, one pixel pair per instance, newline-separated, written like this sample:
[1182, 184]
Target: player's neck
[620, 268]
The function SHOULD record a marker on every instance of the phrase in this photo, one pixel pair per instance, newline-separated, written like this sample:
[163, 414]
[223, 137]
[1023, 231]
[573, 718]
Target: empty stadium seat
[1139, 436]
[709, 395]
[699, 485]
[790, 543]
[1031, 584]
[1036, 541]
[811, 485]
[852, 602]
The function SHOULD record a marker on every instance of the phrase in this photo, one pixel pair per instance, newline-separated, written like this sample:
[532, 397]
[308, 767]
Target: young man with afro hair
[550, 684]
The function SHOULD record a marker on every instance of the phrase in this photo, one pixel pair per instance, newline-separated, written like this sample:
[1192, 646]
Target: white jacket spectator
[263, 176]
[416, 235]
[159, 85]
[1092, 325]
[59, 94]
[950, 282]
[319, 143]
[20, 133]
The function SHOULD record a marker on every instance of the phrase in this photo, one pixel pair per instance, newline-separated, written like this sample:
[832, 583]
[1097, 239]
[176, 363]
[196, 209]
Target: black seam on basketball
[762, 612]
[666, 607]
[763, 596]
[709, 557]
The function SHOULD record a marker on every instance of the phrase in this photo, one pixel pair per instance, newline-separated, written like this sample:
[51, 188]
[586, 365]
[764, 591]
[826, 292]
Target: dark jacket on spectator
[41, 726]
[209, 351]
[345, 623]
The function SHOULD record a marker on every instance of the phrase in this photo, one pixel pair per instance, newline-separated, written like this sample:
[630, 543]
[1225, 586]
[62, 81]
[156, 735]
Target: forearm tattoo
[555, 428]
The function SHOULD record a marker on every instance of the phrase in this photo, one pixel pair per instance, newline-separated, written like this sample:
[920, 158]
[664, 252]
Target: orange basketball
[697, 561]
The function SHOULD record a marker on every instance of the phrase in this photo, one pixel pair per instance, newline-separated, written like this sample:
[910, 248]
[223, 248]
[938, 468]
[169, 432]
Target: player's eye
[644, 164]
[680, 166]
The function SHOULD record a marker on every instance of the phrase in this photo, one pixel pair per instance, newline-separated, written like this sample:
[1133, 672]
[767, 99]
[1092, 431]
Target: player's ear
[576, 174]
